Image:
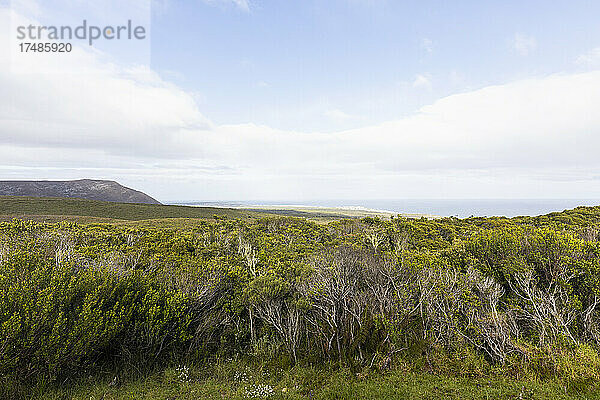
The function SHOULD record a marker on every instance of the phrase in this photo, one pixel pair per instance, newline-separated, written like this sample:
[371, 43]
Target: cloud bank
[132, 125]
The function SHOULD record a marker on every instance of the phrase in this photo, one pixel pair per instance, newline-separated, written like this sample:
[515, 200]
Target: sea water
[461, 208]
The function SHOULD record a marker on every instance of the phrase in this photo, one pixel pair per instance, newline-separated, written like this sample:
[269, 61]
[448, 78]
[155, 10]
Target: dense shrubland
[461, 296]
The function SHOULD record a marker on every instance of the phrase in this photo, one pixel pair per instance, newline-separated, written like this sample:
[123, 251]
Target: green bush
[456, 296]
[57, 318]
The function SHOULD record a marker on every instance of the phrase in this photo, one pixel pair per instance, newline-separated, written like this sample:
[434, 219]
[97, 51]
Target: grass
[232, 381]
[52, 209]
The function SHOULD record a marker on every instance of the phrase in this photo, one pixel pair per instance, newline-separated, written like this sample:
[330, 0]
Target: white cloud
[104, 105]
[243, 5]
[524, 44]
[427, 45]
[262, 84]
[421, 81]
[549, 121]
[338, 115]
[590, 59]
[127, 124]
[456, 78]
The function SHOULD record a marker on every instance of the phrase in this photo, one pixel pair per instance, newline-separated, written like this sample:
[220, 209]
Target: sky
[312, 99]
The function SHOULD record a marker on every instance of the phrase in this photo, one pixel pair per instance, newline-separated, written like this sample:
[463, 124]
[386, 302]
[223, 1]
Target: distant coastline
[462, 208]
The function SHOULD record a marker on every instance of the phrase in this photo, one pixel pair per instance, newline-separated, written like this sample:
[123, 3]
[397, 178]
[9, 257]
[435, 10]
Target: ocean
[461, 208]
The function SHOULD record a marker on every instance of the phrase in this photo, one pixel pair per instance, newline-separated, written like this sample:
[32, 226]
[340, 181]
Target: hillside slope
[89, 189]
[56, 209]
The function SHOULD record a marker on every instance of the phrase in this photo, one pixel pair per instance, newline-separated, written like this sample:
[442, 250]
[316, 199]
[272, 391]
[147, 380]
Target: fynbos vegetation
[462, 296]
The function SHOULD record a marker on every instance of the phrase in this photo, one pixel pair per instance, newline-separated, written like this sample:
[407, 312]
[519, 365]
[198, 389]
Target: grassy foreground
[238, 381]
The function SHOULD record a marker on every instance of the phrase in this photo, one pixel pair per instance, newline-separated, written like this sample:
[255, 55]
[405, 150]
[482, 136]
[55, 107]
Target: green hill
[53, 209]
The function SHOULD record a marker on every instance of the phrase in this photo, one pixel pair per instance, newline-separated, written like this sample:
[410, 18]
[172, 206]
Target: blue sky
[313, 99]
[291, 64]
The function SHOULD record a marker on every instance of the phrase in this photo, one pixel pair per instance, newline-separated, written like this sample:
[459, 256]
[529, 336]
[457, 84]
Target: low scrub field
[286, 308]
[54, 209]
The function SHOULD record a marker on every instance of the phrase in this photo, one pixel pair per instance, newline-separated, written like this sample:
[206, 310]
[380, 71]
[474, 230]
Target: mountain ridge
[90, 189]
